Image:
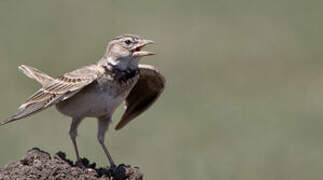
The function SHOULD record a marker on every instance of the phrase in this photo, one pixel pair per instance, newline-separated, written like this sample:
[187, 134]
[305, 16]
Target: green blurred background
[244, 96]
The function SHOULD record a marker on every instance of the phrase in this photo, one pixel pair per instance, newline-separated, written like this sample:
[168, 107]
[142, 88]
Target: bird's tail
[7, 121]
[30, 108]
[34, 73]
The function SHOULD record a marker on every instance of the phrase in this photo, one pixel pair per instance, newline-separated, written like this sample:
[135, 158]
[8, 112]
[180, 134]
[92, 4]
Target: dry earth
[38, 164]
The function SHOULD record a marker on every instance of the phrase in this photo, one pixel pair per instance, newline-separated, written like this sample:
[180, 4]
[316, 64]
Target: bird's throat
[119, 74]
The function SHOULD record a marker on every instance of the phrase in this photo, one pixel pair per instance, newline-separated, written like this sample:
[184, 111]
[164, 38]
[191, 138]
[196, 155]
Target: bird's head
[125, 51]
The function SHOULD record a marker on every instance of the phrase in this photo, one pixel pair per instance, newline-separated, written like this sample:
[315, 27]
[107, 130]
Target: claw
[80, 164]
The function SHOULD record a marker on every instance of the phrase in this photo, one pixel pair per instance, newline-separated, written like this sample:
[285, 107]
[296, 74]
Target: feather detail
[146, 91]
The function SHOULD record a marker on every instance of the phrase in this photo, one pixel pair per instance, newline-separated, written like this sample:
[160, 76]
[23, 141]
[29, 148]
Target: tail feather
[25, 111]
[30, 108]
[34, 73]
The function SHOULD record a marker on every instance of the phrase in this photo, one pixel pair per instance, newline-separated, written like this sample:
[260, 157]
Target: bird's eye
[127, 42]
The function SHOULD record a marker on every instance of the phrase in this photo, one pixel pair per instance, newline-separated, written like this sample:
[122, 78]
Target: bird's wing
[146, 91]
[57, 90]
[34, 73]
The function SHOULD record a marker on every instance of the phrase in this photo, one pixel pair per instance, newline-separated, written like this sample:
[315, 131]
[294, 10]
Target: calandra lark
[97, 90]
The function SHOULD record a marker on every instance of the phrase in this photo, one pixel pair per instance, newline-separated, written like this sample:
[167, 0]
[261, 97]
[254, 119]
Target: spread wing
[148, 88]
[57, 90]
[36, 74]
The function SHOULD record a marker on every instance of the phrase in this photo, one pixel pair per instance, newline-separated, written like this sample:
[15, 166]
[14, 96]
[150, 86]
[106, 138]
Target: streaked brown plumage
[97, 90]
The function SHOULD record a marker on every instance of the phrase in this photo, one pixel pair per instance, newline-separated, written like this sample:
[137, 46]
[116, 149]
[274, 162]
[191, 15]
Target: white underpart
[101, 99]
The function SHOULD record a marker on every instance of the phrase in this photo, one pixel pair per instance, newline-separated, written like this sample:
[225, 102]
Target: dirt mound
[38, 164]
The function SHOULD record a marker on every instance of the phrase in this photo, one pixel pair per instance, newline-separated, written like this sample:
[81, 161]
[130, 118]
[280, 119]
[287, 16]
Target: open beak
[137, 50]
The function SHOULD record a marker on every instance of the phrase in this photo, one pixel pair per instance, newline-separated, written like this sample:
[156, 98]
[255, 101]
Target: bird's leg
[73, 134]
[103, 124]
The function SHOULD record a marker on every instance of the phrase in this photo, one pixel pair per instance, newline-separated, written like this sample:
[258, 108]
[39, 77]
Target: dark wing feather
[58, 90]
[146, 91]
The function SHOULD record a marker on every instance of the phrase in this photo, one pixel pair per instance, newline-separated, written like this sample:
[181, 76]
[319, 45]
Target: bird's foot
[80, 164]
[113, 167]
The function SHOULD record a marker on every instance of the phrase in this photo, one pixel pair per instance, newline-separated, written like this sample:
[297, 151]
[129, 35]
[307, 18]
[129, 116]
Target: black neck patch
[127, 74]
[122, 75]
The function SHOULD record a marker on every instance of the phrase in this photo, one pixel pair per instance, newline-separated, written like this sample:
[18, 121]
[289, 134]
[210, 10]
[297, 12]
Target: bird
[96, 90]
